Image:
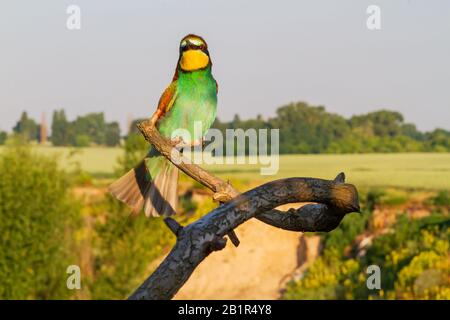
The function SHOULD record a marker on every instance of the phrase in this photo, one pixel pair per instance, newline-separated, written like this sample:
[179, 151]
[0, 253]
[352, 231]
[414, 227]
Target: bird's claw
[175, 141]
[198, 142]
[180, 143]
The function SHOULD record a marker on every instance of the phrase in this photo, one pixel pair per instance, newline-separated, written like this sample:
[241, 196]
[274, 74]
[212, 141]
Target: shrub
[82, 140]
[125, 250]
[413, 258]
[343, 236]
[442, 198]
[373, 198]
[135, 149]
[37, 214]
[3, 136]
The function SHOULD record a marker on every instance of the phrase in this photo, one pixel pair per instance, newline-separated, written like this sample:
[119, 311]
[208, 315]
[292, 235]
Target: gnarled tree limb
[197, 173]
[333, 199]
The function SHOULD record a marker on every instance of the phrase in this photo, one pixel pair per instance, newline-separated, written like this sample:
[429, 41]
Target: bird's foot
[178, 142]
[198, 142]
[153, 120]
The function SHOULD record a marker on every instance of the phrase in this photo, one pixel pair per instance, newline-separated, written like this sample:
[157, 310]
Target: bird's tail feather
[157, 195]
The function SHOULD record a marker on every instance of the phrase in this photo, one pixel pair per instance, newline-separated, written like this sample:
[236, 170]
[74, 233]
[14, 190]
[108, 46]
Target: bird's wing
[167, 99]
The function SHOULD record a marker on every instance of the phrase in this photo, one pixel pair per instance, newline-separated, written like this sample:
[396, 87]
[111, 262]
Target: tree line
[303, 129]
[90, 129]
[311, 129]
[84, 130]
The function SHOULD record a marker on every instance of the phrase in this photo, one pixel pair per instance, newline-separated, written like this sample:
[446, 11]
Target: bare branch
[173, 225]
[233, 238]
[223, 191]
[164, 146]
[332, 200]
[196, 240]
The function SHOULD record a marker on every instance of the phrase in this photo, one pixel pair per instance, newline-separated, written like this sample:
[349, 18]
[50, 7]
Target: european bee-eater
[190, 98]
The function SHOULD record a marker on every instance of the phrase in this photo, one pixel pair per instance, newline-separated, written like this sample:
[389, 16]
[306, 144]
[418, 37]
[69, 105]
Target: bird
[191, 97]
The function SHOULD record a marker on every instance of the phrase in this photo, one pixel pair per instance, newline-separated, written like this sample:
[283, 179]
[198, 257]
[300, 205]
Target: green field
[411, 170]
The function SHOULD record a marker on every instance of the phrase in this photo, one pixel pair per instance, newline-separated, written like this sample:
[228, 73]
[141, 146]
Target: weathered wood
[223, 191]
[197, 173]
[173, 225]
[332, 200]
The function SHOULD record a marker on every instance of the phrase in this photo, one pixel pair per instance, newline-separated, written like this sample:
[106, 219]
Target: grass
[97, 161]
[406, 170]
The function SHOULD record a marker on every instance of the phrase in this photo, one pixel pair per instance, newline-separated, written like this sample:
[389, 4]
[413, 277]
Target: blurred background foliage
[38, 220]
[320, 131]
[51, 218]
[413, 256]
[324, 132]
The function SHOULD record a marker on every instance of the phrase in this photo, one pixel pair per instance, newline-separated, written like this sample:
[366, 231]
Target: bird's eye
[183, 43]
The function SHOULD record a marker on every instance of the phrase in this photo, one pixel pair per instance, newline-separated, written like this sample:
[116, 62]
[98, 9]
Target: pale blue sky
[265, 54]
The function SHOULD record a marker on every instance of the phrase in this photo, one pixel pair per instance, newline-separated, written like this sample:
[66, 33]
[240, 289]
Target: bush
[373, 198]
[125, 246]
[125, 250]
[413, 259]
[3, 136]
[343, 236]
[82, 140]
[135, 150]
[442, 198]
[37, 215]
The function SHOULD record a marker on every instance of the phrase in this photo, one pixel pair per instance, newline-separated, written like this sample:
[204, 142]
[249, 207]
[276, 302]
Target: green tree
[37, 216]
[438, 140]
[61, 129]
[306, 129]
[112, 135]
[237, 123]
[27, 127]
[3, 136]
[87, 129]
[93, 125]
[410, 130]
[382, 123]
[82, 140]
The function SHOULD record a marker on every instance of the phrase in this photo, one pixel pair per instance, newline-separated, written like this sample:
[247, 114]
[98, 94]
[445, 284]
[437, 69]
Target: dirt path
[257, 269]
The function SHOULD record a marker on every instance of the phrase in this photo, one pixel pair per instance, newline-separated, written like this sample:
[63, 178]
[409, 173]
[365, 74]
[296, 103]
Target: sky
[265, 54]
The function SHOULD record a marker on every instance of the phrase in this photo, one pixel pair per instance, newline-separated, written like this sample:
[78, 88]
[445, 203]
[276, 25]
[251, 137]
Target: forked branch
[333, 199]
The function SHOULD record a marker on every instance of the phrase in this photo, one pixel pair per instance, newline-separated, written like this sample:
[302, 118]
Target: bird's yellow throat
[193, 60]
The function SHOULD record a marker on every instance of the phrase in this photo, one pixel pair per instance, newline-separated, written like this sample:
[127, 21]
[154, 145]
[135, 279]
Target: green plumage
[195, 101]
[189, 103]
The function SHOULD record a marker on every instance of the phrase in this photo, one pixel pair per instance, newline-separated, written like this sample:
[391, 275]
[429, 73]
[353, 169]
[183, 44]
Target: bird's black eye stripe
[187, 45]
